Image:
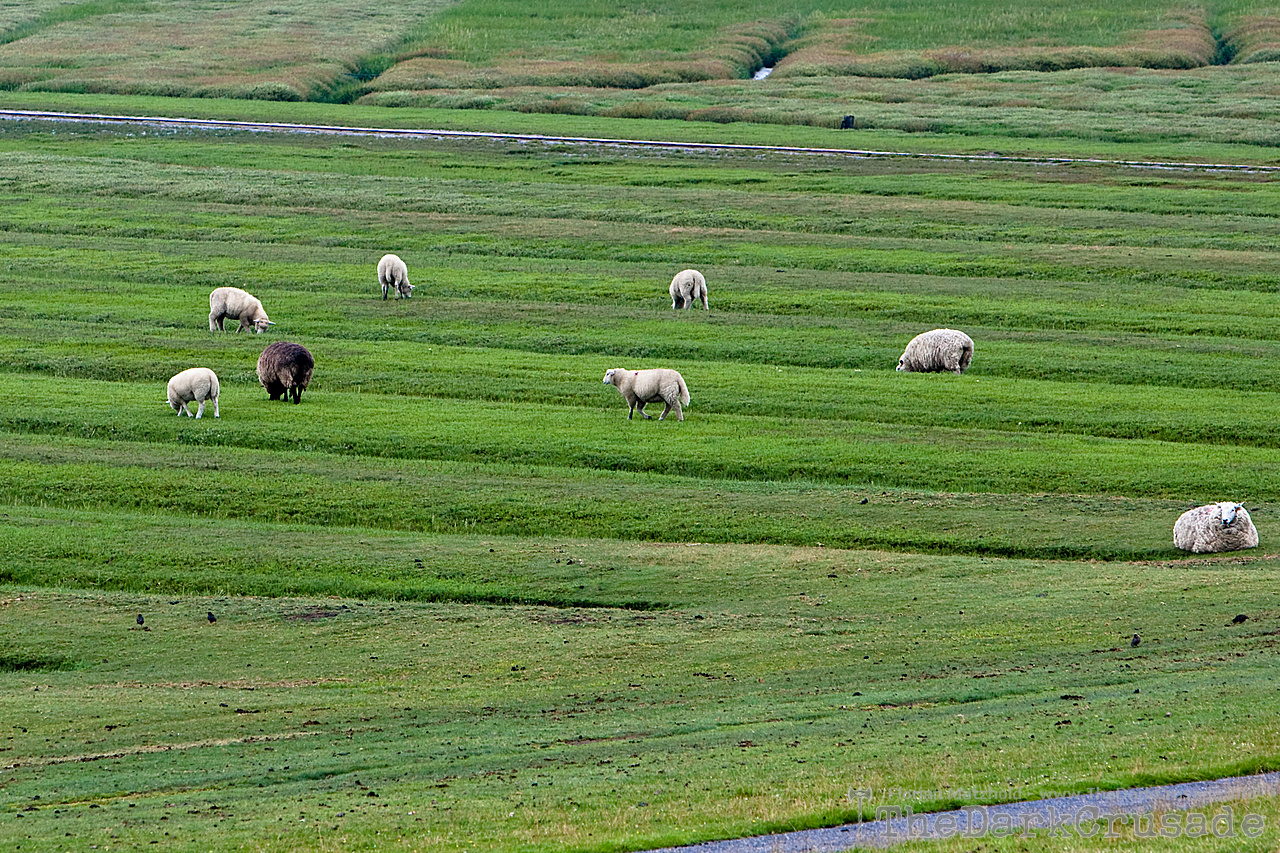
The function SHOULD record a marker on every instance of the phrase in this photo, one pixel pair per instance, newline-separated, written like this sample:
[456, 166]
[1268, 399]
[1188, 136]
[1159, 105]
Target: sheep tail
[684, 393]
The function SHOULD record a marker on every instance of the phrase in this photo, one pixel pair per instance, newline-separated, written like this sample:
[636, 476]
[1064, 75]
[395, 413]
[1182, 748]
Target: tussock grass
[840, 48]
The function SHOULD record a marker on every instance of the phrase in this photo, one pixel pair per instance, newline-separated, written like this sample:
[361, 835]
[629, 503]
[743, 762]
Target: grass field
[459, 600]
[463, 603]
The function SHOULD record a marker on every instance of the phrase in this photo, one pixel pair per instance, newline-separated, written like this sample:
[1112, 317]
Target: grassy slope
[1107, 304]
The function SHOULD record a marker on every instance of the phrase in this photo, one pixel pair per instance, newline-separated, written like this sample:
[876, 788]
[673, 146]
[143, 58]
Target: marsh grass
[288, 50]
[1098, 105]
[670, 61]
[486, 44]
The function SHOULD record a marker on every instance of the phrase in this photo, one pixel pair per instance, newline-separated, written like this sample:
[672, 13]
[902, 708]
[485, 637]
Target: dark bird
[211, 617]
[1240, 617]
[140, 619]
[1136, 639]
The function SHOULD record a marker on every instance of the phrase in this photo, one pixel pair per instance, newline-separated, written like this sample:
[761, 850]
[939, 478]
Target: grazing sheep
[1224, 526]
[194, 385]
[392, 272]
[638, 387]
[687, 289]
[284, 369]
[937, 351]
[236, 304]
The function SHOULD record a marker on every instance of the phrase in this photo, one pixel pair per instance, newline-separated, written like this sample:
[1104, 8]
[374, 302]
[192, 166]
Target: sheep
[688, 288]
[936, 351]
[392, 272]
[194, 385]
[234, 303]
[638, 387]
[1224, 526]
[284, 369]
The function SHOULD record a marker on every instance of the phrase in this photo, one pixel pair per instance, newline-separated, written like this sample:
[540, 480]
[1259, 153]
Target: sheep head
[1227, 510]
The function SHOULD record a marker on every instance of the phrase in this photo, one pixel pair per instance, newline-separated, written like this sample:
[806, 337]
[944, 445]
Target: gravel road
[1153, 812]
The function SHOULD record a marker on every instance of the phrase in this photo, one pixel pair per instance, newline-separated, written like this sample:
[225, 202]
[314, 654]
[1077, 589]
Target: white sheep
[193, 385]
[936, 351]
[688, 288]
[392, 272]
[638, 387]
[236, 304]
[1224, 526]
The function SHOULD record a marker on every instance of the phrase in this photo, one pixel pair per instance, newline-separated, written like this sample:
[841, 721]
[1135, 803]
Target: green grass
[462, 602]
[753, 705]
[456, 569]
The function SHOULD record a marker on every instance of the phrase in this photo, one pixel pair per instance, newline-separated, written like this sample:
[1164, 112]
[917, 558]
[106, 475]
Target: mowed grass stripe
[300, 483]
[171, 280]
[415, 387]
[758, 191]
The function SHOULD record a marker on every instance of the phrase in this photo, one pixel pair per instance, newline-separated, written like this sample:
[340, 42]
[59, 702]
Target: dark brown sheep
[284, 369]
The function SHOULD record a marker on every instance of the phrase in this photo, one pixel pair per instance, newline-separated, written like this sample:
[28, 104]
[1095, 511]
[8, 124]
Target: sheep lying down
[639, 387]
[1224, 526]
[194, 385]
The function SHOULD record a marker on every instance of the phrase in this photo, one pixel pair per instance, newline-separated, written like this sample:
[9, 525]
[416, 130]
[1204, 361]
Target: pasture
[462, 602]
[459, 601]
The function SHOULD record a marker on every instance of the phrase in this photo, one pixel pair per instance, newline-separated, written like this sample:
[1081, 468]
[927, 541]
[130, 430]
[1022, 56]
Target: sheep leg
[297, 394]
[640, 408]
[215, 408]
[183, 410]
[200, 410]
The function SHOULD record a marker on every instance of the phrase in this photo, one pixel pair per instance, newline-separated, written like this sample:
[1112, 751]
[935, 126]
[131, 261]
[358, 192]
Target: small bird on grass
[140, 619]
[211, 617]
[1136, 639]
